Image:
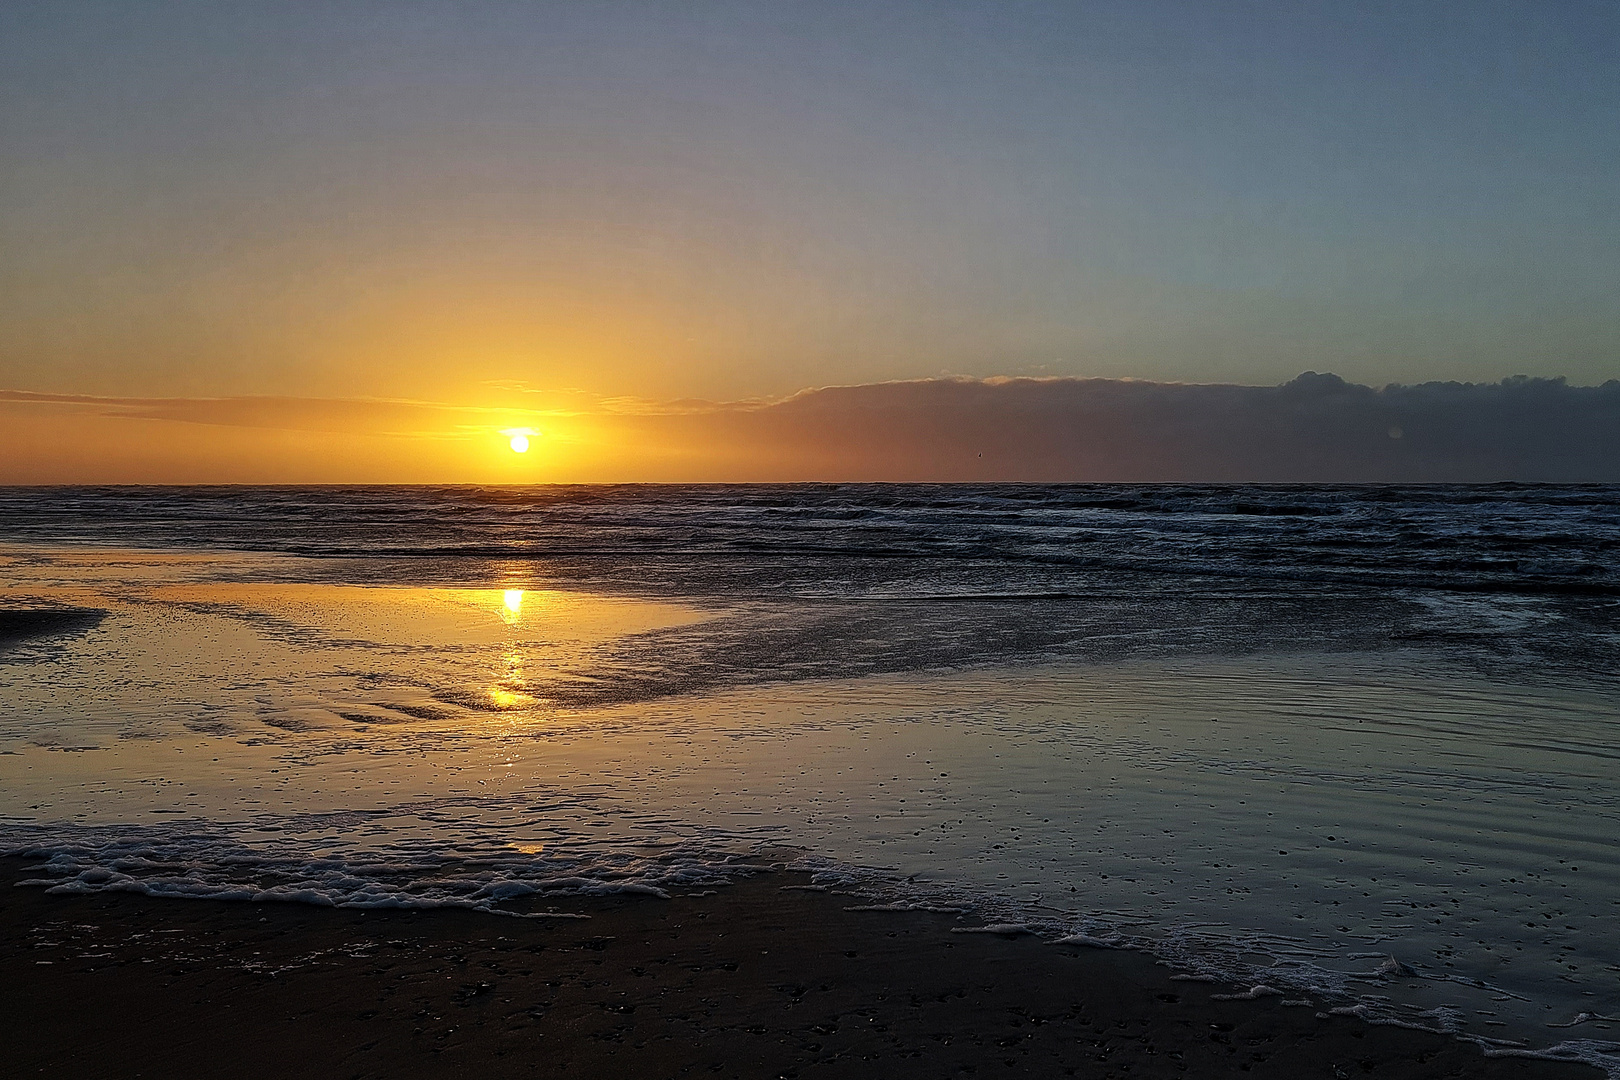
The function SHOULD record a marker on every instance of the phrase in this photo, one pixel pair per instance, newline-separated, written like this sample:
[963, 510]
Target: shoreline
[751, 980]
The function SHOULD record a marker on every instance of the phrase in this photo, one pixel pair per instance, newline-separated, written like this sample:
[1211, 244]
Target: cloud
[1316, 428]
[370, 415]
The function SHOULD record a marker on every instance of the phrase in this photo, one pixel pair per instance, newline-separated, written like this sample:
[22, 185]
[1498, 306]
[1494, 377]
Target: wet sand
[24, 623]
[753, 980]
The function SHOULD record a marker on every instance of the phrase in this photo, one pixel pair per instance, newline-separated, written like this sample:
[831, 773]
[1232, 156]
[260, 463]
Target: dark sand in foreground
[751, 981]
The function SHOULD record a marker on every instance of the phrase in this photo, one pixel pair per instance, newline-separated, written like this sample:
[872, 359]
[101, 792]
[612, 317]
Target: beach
[1363, 784]
[764, 978]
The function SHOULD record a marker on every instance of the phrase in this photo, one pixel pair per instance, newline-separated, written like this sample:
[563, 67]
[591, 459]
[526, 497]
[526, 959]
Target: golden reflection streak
[507, 692]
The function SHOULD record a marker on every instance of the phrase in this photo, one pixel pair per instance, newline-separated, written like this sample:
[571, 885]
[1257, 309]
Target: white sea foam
[1091, 941]
[218, 867]
[1253, 993]
[1585, 1017]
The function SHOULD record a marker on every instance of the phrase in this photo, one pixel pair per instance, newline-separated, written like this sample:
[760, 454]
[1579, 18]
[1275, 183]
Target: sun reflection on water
[452, 655]
[509, 691]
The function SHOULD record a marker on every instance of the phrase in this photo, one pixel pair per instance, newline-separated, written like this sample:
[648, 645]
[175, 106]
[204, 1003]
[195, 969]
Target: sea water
[1355, 746]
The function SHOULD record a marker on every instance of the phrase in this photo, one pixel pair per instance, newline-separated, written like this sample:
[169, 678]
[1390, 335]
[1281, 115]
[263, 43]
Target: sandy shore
[752, 981]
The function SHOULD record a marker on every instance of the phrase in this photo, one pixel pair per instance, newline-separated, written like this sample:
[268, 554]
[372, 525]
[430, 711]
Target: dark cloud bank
[1315, 428]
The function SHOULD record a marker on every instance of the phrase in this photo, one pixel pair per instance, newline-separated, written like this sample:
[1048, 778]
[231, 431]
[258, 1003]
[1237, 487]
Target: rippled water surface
[1277, 734]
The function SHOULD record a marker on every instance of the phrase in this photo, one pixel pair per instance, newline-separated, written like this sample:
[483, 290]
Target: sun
[518, 438]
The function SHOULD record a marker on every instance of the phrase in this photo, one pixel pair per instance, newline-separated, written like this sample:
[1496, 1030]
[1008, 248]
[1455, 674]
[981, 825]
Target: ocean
[1351, 746]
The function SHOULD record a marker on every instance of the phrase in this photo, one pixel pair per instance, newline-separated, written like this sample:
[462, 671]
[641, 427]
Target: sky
[415, 225]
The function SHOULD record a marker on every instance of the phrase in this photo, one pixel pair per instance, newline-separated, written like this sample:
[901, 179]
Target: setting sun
[518, 439]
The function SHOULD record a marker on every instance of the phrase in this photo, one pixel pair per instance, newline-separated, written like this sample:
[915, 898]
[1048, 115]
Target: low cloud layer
[276, 413]
[1316, 428]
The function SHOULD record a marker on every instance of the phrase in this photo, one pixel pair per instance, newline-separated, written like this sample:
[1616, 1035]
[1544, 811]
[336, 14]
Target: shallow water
[1286, 786]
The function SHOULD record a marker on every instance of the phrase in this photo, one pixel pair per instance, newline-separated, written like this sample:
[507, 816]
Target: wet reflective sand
[1298, 820]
